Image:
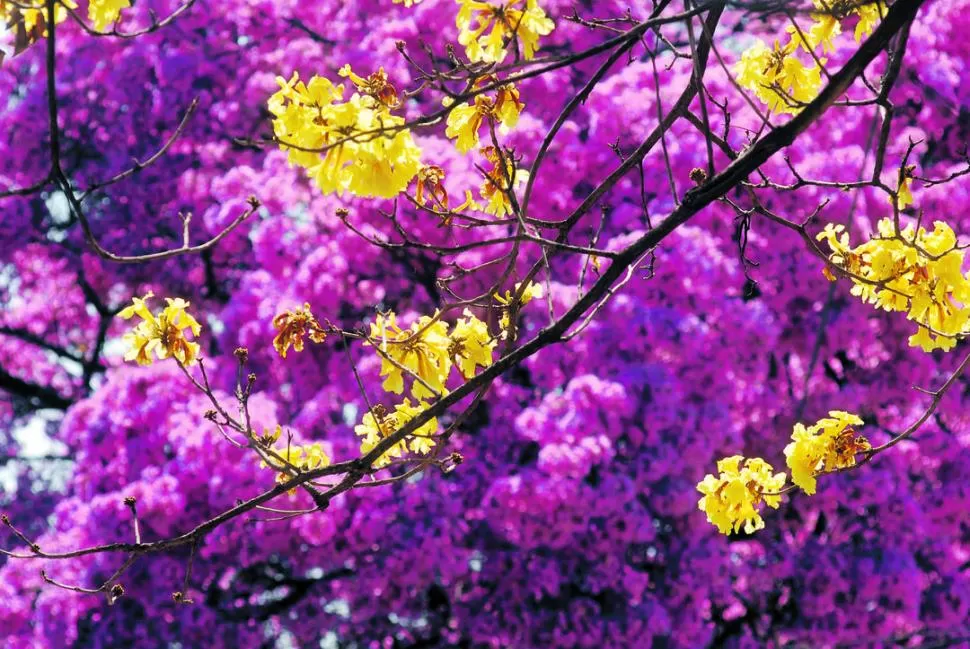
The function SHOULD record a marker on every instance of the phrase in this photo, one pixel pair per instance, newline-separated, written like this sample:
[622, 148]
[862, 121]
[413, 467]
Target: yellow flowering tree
[352, 138]
[358, 134]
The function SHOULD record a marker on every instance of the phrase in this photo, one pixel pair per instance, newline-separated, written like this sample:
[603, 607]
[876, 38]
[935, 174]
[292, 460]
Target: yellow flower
[314, 457]
[495, 187]
[830, 444]
[163, 334]
[904, 192]
[828, 19]
[430, 187]
[268, 438]
[421, 441]
[289, 454]
[471, 344]
[383, 165]
[508, 105]
[421, 349]
[532, 291]
[869, 15]
[522, 21]
[913, 271]
[296, 458]
[355, 145]
[103, 13]
[376, 86]
[380, 424]
[823, 31]
[465, 122]
[294, 326]
[733, 498]
[777, 77]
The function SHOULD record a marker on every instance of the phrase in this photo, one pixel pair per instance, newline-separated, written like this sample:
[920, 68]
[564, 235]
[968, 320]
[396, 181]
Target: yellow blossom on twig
[915, 271]
[162, 333]
[488, 29]
[496, 188]
[471, 344]
[430, 187]
[296, 458]
[778, 77]
[105, 12]
[355, 145]
[733, 498]
[380, 424]
[465, 121]
[293, 327]
[830, 444]
[421, 349]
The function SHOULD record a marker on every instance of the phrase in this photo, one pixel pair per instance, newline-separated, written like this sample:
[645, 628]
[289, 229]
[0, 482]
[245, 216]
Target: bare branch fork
[60, 179]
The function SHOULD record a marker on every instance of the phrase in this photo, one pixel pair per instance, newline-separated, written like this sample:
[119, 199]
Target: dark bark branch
[40, 396]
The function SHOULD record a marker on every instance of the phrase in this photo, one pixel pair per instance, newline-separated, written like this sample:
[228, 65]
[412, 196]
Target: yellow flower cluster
[104, 13]
[420, 350]
[293, 327]
[291, 457]
[426, 351]
[357, 145]
[496, 191]
[828, 19]
[471, 345]
[162, 333]
[488, 30]
[464, 125]
[912, 271]
[500, 181]
[779, 78]
[379, 424]
[465, 122]
[733, 498]
[829, 445]
[430, 187]
[531, 292]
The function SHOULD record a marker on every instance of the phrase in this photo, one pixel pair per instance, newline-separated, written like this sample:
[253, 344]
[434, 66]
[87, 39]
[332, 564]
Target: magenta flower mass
[399, 324]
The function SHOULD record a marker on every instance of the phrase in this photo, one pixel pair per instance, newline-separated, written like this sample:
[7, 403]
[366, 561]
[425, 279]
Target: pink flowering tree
[474, 324]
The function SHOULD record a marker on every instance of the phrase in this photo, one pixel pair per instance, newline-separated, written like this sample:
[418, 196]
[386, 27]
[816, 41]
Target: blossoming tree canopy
[459, 323]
